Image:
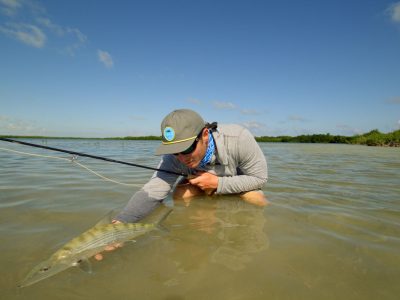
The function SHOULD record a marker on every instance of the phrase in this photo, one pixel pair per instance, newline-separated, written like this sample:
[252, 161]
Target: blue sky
[116, 68]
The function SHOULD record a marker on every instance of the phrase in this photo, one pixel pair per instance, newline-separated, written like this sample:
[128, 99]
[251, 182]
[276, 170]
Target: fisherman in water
[219, 159]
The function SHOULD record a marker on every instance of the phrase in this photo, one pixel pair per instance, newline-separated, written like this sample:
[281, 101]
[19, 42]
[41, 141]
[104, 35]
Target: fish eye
[44, 269]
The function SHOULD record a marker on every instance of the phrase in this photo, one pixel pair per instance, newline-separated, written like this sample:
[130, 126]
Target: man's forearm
[239, 183]
[138, 207]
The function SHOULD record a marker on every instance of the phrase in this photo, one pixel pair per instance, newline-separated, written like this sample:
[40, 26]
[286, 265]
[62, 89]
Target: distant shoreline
[372, 138]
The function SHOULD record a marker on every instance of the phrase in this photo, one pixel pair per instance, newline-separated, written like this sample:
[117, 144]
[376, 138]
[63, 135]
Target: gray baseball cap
[179, 129]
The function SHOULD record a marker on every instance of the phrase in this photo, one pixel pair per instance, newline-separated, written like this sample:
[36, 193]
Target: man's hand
[204, 180]
[111, 247]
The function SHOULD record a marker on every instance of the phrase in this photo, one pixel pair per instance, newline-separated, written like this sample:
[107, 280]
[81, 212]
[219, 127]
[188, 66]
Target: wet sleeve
[252, 168]
[153, 192]
[139, 206]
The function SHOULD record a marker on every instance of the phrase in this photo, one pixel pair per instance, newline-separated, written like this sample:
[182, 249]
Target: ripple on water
[332, 230]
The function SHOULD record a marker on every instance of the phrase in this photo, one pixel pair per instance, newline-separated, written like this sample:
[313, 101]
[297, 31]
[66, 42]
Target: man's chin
[192, 165]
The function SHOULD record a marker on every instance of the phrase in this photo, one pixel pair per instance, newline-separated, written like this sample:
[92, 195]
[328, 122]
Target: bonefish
[78, 250]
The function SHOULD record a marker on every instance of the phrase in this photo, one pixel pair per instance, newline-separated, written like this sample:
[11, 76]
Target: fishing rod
[91, 156]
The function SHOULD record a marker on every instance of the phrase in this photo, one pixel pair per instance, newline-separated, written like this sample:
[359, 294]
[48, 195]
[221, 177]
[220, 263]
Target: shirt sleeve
[153, 192]
[252, 167]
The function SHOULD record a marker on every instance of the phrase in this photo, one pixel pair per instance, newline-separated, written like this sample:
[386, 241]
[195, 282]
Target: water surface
[332, 231]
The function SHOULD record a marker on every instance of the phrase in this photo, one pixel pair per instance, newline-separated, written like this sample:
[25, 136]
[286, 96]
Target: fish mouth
[25, 283]
[30, 280]
[42, 271]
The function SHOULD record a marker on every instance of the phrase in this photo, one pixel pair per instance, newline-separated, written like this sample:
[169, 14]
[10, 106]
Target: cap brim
[174, 148]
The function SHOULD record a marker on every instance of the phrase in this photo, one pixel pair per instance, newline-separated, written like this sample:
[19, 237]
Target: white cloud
[256, 128]
[395, 100]
[254, 125]
[251, 112]
[77, 38]
[297, 118]
[31, 25]
[81, 40]
[224, 105]
[105, 58]
[57, 29]
[394, 12]
[25, 33]
[10, 7]
[348, 129]
[10, 125]
[60, 30]
[194, 101]
[78, 34]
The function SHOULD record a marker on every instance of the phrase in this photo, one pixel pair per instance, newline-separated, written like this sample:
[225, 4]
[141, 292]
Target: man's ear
[204, 135]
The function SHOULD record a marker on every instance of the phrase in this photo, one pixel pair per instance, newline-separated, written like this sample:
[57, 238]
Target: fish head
[44, 270]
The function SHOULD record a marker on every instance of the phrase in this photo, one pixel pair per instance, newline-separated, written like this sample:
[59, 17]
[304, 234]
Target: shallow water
[332, 231]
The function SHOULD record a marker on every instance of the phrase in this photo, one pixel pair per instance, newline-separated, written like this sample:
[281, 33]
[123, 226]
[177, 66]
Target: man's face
[192, 160]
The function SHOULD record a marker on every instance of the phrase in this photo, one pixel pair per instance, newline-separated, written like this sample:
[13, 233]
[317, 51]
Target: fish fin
[165, 211]
[85, 265]
[106, 219]
[130, 241]
[158, 216]
[162, 228]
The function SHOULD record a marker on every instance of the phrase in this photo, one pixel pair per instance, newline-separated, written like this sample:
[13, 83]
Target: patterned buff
[210, 151]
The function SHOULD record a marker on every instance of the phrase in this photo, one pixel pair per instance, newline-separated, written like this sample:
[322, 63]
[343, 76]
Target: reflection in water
[230, 231]
[334, 227]
[241, 233]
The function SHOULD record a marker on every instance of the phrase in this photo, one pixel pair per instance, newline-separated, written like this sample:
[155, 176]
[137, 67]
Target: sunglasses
[192, 147]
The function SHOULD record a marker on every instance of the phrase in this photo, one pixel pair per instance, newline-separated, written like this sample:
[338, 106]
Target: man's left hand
[204, 180]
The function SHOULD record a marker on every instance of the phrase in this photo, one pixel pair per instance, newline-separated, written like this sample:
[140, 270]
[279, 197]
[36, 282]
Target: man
[219, 160]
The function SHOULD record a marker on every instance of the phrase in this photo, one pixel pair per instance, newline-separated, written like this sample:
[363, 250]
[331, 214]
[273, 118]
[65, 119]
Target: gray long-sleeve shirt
[238, 162]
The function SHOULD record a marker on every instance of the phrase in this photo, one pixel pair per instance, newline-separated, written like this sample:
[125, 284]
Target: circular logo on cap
[169, 133]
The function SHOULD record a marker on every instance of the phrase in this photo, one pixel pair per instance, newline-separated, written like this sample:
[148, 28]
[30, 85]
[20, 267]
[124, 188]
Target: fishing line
[73, 160]
[91, 156]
